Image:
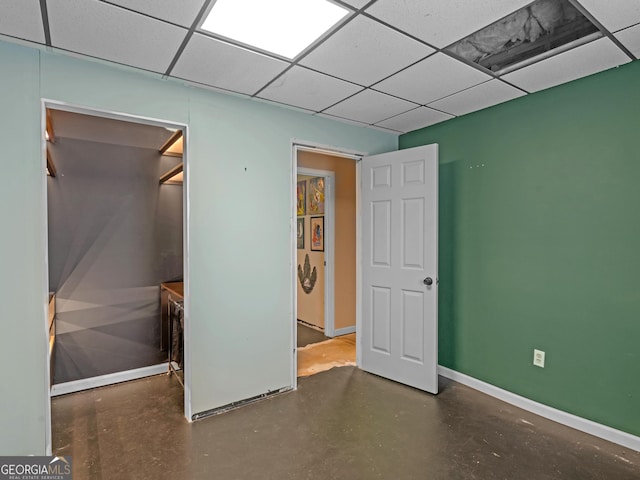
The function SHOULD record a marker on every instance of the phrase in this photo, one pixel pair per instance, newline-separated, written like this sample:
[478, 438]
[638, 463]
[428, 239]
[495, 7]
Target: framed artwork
[301, 195]
[317, 234]
[300, 234]
[316, 196]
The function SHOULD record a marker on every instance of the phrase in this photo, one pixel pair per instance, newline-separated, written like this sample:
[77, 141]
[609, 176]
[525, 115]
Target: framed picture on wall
[301, 198]
[317, 234]
[316, 196]
[300, 234]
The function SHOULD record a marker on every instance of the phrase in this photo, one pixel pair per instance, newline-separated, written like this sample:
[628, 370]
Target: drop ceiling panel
[443, 22]
[182, 13]
[475, 98]
[614, 14]
[414, 119]
[365, 52]
[304, 88]
[356, 3]
[219, 64]
[579, 62]
[432, 79]
[22, 19]
[370, 107]
[112, 33]
[630, 38]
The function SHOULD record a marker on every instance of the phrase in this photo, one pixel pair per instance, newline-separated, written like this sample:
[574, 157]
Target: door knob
[428, 281]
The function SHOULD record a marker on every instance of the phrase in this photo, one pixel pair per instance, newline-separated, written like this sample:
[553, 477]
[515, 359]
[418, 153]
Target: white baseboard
[103, 380]
[344, 331]
[597, 429]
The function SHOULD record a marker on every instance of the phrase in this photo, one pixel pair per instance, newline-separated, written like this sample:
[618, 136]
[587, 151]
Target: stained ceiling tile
[441, 23]
[370, 107]
[578, 62]
[414, 119]
[365, 52]
[630, 38]
[432, 79]
[219, 64]
[112, 33]
[181, 13]
[304, 88]
[614, 15]
[475, 98]
[22, 19]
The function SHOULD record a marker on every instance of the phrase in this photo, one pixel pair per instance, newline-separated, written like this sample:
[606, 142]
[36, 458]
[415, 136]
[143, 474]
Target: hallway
[340, 424]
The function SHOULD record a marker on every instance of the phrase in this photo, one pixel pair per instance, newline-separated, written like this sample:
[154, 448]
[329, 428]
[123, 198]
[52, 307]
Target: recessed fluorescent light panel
[283, 27]
[539, 30]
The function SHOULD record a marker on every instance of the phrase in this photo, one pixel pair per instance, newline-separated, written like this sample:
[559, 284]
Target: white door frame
[329, 245]
[69, 107]
[297, 146]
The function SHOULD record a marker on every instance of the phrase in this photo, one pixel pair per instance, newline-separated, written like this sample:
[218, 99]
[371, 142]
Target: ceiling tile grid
[576, 63]
[630, 38]
[308, 89]
[183, 12]
[100, 30]
[383, 67]
[614, 15]
[365, 52]
[440, 23]
[22, 19]
[414, 119]
[431, 79]
[370, 107]
[222, 65]
[475, 98]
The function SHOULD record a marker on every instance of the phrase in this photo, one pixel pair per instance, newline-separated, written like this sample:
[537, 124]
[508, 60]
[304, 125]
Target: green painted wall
[240, 241]
[539, 245]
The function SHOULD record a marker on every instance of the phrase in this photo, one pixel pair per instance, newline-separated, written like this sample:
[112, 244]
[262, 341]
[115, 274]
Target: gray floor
[307, 336]
[340, 424]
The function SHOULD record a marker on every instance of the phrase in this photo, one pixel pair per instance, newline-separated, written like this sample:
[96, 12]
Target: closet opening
[116, 249]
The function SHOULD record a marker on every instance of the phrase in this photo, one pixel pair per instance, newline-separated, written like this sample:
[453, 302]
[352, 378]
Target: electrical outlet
[538, 358]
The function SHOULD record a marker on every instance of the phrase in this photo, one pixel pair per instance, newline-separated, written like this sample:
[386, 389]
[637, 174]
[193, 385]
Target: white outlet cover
[538, 358]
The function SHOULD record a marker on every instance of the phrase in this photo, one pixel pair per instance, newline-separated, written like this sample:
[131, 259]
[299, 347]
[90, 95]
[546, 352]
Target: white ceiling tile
[219, 64]
[364, 52]
[340, 119]
[111, 33]
[431, 79]
[476, 98]
[579, 62]
[370, 107]
[440, 23]
[614, 14]
[305, 88]
[630, 38]
[22, 19]
[414, 119]
[181, 13]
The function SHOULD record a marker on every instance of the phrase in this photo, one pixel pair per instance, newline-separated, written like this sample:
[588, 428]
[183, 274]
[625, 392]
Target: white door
[399, 338]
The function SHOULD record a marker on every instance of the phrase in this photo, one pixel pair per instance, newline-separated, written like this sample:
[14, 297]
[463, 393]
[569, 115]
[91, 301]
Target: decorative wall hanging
[317, 234]
[301, 203]
[300, 234]
[316, 196]
[307, 276]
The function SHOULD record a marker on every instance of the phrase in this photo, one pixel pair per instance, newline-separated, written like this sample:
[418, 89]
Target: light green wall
[239, 168]
[539, 245]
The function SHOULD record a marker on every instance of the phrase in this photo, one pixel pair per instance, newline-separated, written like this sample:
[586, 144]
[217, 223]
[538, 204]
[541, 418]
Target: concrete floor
[308, 335]
[339, 424]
